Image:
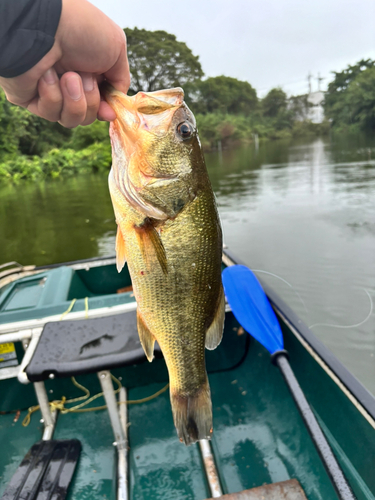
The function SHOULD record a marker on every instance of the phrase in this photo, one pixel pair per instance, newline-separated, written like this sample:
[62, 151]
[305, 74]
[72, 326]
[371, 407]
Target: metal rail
[210, 468]
[48, 417]
[118, 431]
[122, 466]
[329, 460]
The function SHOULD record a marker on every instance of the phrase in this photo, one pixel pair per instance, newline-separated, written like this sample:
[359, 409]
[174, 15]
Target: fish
[169, 234]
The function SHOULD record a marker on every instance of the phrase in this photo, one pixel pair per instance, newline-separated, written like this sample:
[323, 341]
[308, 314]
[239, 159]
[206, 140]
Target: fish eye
[185, 130]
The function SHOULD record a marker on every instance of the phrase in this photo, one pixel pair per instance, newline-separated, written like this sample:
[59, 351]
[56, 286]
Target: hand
[88, 48]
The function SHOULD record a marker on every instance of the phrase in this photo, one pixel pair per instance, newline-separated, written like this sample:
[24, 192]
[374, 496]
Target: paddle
[253, 311]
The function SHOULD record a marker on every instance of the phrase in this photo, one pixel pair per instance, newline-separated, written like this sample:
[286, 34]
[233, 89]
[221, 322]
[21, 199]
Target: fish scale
[169, 233]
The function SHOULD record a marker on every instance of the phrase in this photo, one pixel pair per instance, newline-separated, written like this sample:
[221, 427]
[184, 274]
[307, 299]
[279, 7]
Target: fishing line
[350, 326]
[284, 281]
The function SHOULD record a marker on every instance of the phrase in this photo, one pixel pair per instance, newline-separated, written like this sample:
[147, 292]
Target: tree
[222, 94]
[360, 99]
[274, 102]
[343, 78]
[158, 60]
[8, 140]
[22, 132]
[337, 106]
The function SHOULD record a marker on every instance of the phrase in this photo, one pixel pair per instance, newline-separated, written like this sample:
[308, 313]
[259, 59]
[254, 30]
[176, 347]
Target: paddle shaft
[329, 460]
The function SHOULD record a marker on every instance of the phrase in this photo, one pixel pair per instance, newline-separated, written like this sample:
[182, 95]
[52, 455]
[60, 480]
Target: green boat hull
[259, 436]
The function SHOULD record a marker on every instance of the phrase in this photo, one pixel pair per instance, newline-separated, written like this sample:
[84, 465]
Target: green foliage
[26, 133]
[228, 129]
[344, 78]
[221, 94]
[32, 148]
[361, 96]
[158, 60]
[82, 137]
[58, 162]
[274, 103]
[306, 128]
[350, 99]
[8, 140]
[227, 112]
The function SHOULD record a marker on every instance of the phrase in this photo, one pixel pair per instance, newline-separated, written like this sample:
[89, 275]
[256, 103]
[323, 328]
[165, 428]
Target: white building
[315, 112]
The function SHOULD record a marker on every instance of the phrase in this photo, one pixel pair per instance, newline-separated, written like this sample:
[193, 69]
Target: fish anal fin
[151, 245]
[120, 250]
[146, 338]
[214, 333]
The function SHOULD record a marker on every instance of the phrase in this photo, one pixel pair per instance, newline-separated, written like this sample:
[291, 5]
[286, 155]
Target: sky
[268, 43]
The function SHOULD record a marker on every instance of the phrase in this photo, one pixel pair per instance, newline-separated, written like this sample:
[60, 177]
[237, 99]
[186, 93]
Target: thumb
[119, 75]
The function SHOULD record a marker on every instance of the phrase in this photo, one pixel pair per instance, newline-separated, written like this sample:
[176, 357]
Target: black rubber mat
[45, 472]
[69, 348]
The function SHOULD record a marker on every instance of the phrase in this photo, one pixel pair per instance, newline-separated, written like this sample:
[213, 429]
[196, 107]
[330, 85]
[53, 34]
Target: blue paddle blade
[251, 307]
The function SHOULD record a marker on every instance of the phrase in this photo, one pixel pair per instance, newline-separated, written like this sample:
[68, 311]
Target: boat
[68, 339]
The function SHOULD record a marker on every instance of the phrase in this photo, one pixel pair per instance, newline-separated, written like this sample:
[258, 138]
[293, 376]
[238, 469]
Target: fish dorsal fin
[151, 245]
[214, 333]
[120, 250]
[146, 337]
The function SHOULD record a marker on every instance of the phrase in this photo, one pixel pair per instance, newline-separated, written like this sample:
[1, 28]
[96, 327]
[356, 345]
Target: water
[303, 211]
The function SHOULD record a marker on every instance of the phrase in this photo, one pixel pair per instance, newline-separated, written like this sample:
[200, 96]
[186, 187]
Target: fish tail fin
[192, 414]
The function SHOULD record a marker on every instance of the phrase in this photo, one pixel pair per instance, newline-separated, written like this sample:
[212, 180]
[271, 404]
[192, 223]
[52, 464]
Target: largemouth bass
[170, 236]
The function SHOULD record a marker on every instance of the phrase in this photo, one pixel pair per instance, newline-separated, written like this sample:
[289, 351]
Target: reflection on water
[303, 211]
[306, 212]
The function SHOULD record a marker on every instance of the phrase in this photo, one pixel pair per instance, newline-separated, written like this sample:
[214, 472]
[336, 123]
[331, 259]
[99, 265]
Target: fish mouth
[145, 112]
[152, 111]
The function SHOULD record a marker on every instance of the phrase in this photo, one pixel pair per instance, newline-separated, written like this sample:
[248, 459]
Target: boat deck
[259, 436]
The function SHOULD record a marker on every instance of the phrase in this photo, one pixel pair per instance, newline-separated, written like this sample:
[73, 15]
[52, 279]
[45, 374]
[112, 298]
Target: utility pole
[319, 79]
[309, 76]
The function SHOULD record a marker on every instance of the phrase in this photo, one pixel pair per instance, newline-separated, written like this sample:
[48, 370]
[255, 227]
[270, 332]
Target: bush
[309, 129]
[82, 137]
[57, 163]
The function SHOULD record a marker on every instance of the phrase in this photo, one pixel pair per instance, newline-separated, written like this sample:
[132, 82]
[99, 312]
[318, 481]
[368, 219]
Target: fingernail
[88, 83]
[73, 86]
[50, 77]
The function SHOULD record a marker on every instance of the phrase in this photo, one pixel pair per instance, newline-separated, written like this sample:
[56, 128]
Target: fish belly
[177, 307]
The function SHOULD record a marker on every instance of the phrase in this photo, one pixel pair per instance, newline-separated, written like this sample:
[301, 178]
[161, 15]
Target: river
[304, 211]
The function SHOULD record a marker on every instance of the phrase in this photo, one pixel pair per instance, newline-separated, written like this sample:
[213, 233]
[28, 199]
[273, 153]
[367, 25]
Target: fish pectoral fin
[120, 250]
[214, 333]
[146, 338]
[151, 245]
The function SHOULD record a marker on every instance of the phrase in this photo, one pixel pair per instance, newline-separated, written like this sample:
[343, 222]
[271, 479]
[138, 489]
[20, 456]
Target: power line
[309, 78]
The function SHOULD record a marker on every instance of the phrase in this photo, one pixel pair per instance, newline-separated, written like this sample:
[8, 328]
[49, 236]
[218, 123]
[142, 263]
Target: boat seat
[285, 490]
[70, 348]
[45, 472]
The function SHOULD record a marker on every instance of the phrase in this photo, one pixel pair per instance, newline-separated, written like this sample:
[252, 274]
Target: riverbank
[88, 148]
[302, 210]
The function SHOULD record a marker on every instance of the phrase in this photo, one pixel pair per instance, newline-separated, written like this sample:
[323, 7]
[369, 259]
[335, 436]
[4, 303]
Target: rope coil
[60, 403]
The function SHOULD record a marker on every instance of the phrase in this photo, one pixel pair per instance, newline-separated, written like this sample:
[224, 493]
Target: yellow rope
[60, 404]
[144, 400]
[69, 309]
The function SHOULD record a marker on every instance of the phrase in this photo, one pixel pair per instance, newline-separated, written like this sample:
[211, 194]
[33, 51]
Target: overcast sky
[266, 42]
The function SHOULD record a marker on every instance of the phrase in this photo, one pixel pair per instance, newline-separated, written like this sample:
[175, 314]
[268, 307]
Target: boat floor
[285, 490]
[259, 437]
